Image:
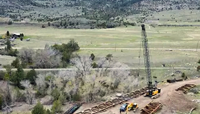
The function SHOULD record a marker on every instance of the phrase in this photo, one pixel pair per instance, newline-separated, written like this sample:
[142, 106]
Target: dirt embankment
[171, 100]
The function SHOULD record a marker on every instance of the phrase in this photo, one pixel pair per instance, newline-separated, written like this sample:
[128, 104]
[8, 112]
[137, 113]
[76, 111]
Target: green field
[124, 42]
[130, 37]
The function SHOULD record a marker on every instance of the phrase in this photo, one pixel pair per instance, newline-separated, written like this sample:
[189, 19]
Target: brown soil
[171, 100]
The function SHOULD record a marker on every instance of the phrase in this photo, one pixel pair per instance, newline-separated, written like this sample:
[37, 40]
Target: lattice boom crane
[152, 90]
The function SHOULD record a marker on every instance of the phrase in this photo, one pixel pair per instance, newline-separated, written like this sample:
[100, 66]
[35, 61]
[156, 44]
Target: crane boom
[146, 57]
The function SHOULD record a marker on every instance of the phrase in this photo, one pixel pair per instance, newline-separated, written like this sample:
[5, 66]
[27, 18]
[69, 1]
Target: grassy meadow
[123, 43]
[130, 37]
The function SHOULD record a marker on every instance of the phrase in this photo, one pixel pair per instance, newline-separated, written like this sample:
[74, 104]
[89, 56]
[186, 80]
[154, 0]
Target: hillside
[88, 13]
[15, 3]
[162, 5]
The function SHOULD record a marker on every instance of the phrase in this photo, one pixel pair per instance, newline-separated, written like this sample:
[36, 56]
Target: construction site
[164, 98]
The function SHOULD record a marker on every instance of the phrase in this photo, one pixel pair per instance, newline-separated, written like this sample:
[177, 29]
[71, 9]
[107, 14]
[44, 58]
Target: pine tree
[18, 77]
[7, 33]
[92, 56]
[15, 63]
[8, 45]
[31, 76]
[38, 109]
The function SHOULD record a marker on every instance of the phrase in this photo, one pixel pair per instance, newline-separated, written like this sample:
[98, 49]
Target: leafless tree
[6, 91]
[91, 90]
[47, 58]
[41, 85]
[26, 55]
[28, 91]
[66, 75]
[85, 73]
[103, 65]
[122, 71]
[122, 75]
[69, 81]
[82, 64]
[51, 82]
[46, 79]
[5, 94]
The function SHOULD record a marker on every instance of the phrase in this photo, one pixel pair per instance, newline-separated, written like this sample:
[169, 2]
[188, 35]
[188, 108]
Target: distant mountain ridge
[15, 3]
[169, 4]
[87, 12]
[115, 4]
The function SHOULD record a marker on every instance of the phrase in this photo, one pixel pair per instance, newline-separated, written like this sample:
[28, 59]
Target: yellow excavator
[153, 91]
[132, 107]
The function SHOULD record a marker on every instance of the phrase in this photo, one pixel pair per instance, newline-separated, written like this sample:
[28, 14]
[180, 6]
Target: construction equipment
[110, 104]
[152, 89]
[132, 106]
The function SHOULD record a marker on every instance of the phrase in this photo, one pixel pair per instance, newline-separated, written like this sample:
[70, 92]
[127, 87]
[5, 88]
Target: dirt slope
[172, 100]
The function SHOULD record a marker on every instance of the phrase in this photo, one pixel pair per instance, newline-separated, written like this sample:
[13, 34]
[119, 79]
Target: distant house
[17, 35]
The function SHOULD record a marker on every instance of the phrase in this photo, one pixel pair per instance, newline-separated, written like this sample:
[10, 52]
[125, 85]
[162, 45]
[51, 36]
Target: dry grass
[4, 60]
[176, 17]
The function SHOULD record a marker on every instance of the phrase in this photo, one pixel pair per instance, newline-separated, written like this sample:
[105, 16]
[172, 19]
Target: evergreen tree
[49, 24]
[8, 45]
[92, 56]
[31, 76]
[18, 76]
[109, 57]
[38, 109]
[56, 106]
[72, 45]
[55, 93]
[6, 77]
[7, 33]
[48, 112]
[15, 63]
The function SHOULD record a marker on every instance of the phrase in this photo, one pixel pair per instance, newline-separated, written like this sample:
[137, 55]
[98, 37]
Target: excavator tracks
[151, 108]
[186, 88]
[109, 104]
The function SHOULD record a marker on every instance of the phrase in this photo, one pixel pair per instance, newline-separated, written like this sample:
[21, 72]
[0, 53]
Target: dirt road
[170, 99]
[155, 49]
[132, 68]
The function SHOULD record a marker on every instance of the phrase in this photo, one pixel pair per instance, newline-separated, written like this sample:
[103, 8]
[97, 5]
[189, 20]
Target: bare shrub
[82, 64]
[28, 91]
[26, 55]
[41, 86]
[47, 58]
